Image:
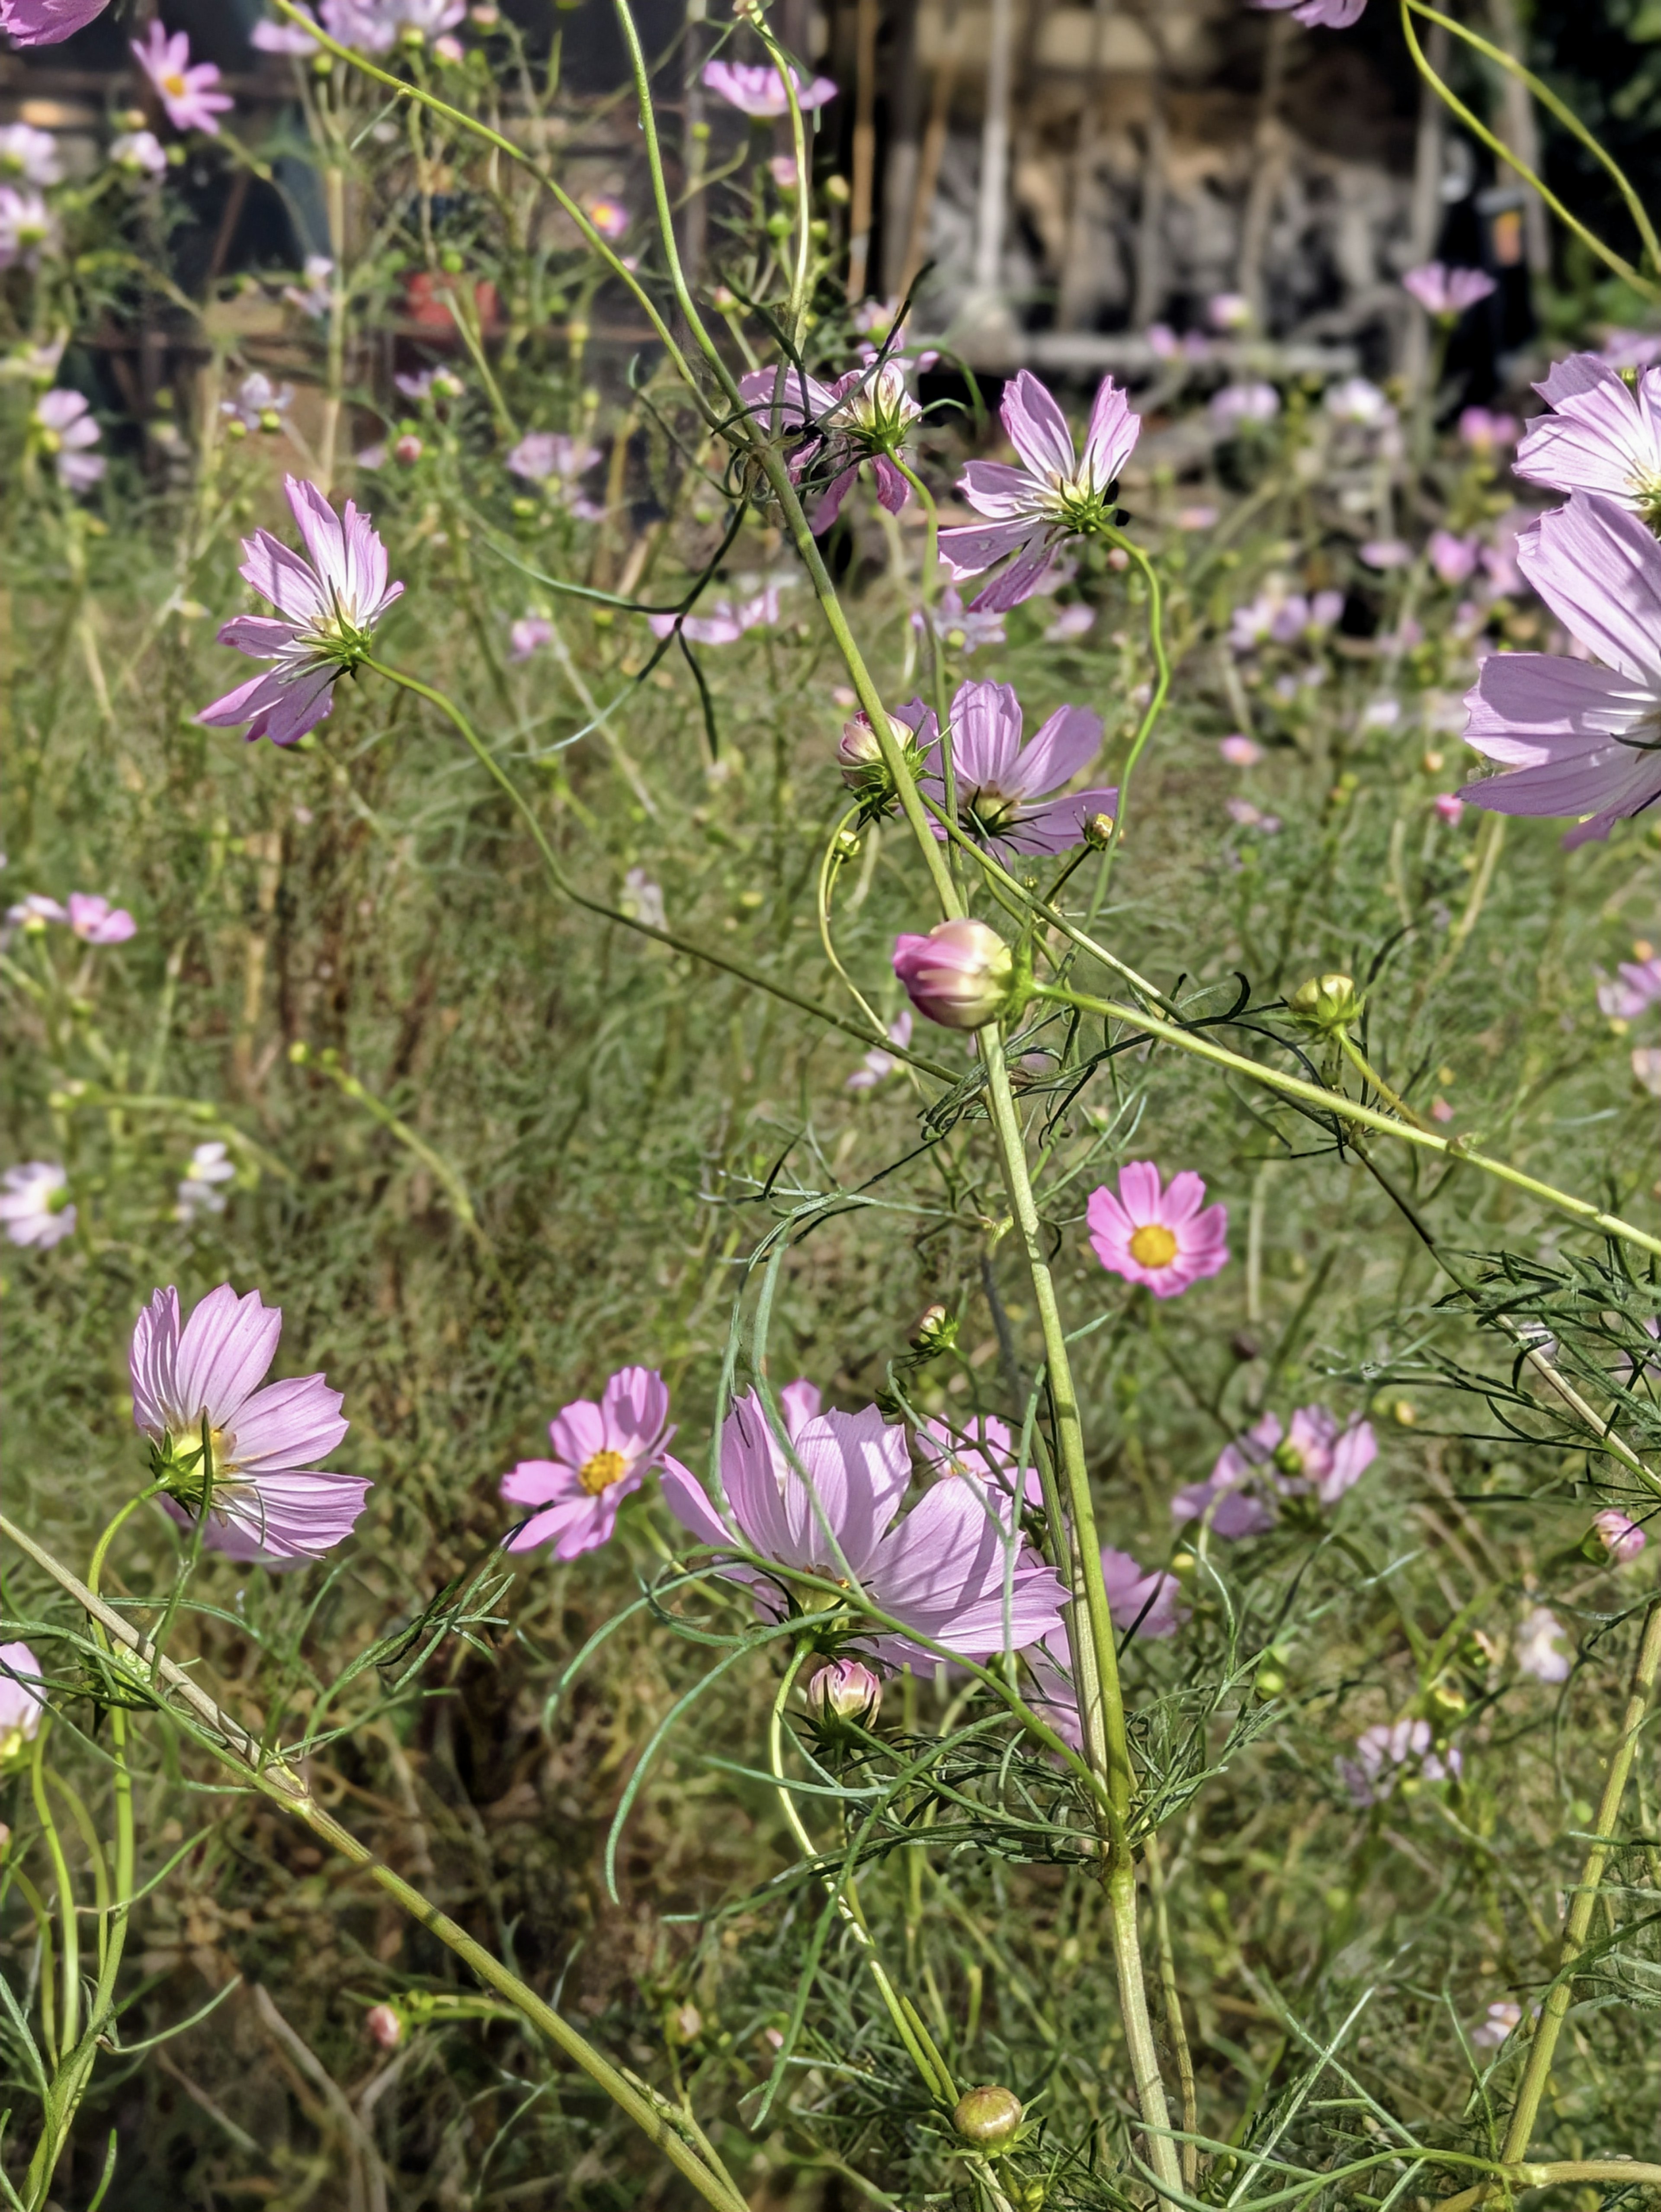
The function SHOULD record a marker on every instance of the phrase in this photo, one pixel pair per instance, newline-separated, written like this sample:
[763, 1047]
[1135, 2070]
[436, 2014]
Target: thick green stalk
[216, 1732]
[1537, 2072]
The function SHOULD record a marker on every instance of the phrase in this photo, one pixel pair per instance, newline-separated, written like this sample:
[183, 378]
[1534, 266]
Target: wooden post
[865, 147]
[992, 211]
[1150, 226]
[934, 150]
[1075, 261]
[900, 183]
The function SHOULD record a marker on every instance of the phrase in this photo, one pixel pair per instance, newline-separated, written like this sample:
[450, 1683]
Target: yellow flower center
[1154, 1245]
[174, 85]
[600, 1471]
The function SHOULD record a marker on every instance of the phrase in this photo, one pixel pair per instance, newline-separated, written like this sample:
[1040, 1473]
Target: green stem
[214, 1731]
[1347, 1109]
[1156, 699]
[1537, 2072]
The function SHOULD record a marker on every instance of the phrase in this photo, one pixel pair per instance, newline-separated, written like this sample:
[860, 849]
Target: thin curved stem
[1156, 698]
[828, 870]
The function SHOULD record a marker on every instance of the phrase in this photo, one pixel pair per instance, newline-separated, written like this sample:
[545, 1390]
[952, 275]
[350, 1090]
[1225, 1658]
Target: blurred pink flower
[1228, 311]
[1503, 2018]
[185, 88]
[1158, 1236]
[272, 36]
[1354, 401]
[96, 921]
[1241, 750]
[1449, 806]
[1485, 432]
[757, 89]
[264, 1499]
[1603, 435]
[328, 608]
[529, 636]
[542, 454]
[140, 153]
[1075, 621]
[1575, 738]
[609, 217]
[1001, 784]
[1249, 816]
[1620, 1536]
[1631, 350]
[1543, 1647]
[1637, 989]
[33, 1210]
[1647, 1066]
[64, 427]
[1441, 1112]
[28, 156]
[1313, 1457]
[21, 1700]
[725, 622]
[959, 626]
[601, 1452]
[1238, 405]
[1386, 553]
[1452, 558]
[1032, 510]
[1442, 291]
[1146, 1606]
[1385, 1751]
[955, 1569]
[878, 1065]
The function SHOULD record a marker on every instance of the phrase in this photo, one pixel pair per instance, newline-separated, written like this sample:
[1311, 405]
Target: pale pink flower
[1453, 558]
[1543, 1647]
[198, 1190]
[272, 36]
[1449, 806]
[1485, 432]
[328, 608]
[1387, 553]
[982, 1452]
[95, 921]
[140, 153]
[1158, 1236]
[1441, 1111]
[600, 1453]
[1320, 14]
[383, 2026]
[315, 297]
[958, 626]
[844, 1689]
[259, 405]
[1314, 1457]
[864, 416]
[958, 975]
[185, 88]
[1620, 1536]
[1603, 435]
[1228, 311]
[1385, 1752]
[407, 449]
[1241, 750]
[1647, 1067]
[29, 156]
[1250, 817]
[1357, 403]
[1445, 292]
[725, 622]
[1631, 350]
[65, 427]
[1006, 790]
[1055, 494]
[1237, 405]
[1504, 2018]
[265, 1501]
[21, 1700]
[1575, 738]
[878, 1065]
[1638, 988]
[529, 636]
[1077, 620]
[609, 217]
[46, 22]
[757, 89]
[32, 1205]
[955, 1569]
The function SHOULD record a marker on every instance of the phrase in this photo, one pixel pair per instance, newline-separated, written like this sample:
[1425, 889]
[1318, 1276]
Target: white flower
[32, 1205]
[1543, 1647]
[198, 1192]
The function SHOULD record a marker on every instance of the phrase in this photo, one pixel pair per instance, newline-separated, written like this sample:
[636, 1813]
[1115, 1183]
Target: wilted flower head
[1445, 292]
[757, 90]
[1603, 434]
[1155, 1235]
[327, 609]
[601, 1451]
[64, 428]
[1313, 1457]
[1054, 494]
[199, 1192]
[21, 1701]
[34, 1207]
[29, 156]
[1388, 1751]
[230, 1450]
[955, 1569]
[1543, 1647]
[185, 88]
[961, 974]
[1575, 738]
[1001, 785]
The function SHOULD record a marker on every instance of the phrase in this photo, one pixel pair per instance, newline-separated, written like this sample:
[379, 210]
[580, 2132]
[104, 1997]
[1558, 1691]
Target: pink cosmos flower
[1077, 620]
[1053, 496]
[958, 626]
[878, 1065]
[1241, 750]
[985, 1452]
[541, 454]
[21, 1701]
[32, 1205]
[316, 297]
[266, 1501]
[1387, 1751]
[1357, 403]
[95, 921]
[1001, 784]
[1238, 404]
[1603, 434]
[1320, 14]
[601, 1452]
[1387, 553]
[757, 89]
[1631, 350]
[725, 622]
[1449, 806]
[1543, 1647]
[259, 405]
[46, 22]
[1621, 1537]
[1575, 738]
[1228, 311]
[1157, 1235]
[1313, 1457]
[865, 414]
[1281, 617]
[1452, 558]
[140, 153]
[1442, 291]
[954, 1569]
[64, 427]
[328, 608]
[609, 217]
[1145, 1605]
[30, 156]
[1250, 817]
[958, 975]
[274, 37]
[1485, 432]
[184, 89]
[529, 636]
[1638, 989]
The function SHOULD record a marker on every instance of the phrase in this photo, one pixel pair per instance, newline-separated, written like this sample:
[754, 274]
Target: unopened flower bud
[838, 190]
[989, 2118]
[386, 2026]
[962, 974]
[1326, 1003]
[1612, 1535]
[1099, 832]
[408, 450]
[936, 1331]
[865, 771]
[846, 1690]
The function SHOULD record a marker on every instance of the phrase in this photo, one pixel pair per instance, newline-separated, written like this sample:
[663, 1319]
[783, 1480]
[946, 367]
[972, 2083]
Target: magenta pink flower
[273, 36]
[1449, 806]
[264, 1500]
[1001, 785]
[1157, 1237]
[1620, 1536]
[328, 606]
[954, 1569]
[757, 89]
[1603, 434]
[1573, 738]
[95, 921]
[1032, 511]
[984, 1452]
[959, 976]
[1145, 1605]
[1637, 989]
[1445, 292]
[864, 414]
[46, 22]
[185, 88]
[601, 1452]
[609, 217]
[1320, 14]
[1453, 558]
[1315, 1457]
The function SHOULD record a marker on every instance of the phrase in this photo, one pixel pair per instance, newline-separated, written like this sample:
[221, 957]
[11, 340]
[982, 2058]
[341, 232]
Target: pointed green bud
[1326, 1004]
